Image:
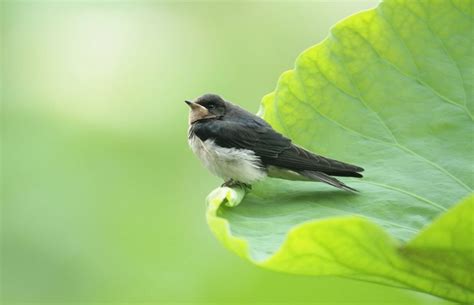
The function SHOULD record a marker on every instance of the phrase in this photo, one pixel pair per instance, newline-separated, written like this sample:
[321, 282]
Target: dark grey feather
[319, 176]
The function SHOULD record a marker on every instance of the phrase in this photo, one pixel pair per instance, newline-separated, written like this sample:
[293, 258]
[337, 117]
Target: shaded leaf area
[390, 89]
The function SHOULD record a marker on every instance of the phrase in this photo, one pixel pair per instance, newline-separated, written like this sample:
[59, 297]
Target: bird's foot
[234, 183]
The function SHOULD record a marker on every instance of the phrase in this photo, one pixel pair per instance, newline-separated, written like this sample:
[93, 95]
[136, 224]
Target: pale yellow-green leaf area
[389, 89]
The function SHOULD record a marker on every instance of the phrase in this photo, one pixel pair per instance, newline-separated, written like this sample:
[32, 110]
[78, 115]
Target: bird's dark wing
[272, 147]
[299, 159]
[263, 140]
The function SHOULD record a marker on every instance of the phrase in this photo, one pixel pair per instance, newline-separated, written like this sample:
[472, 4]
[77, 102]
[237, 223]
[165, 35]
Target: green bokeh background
[102, 201]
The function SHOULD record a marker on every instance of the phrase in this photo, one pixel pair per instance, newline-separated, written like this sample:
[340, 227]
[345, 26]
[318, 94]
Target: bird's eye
[211, 106]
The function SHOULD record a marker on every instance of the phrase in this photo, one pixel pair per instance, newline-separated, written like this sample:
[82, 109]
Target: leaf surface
[390, 89]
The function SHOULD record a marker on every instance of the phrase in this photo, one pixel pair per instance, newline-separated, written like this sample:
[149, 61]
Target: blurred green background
[102, 201]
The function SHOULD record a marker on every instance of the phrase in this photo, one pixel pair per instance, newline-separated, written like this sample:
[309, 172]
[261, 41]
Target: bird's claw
[232, 183]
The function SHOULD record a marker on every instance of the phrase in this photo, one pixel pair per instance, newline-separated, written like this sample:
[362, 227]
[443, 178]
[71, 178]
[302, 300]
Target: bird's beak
[193, 105]
[198, 112]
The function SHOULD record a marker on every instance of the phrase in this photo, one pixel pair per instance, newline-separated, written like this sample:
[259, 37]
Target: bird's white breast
[228, 163]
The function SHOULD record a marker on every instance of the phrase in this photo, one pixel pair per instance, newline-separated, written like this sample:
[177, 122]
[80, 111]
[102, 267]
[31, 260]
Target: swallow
[242, 148]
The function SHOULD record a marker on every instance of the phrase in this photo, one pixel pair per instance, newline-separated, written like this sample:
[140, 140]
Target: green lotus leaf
[390, 89]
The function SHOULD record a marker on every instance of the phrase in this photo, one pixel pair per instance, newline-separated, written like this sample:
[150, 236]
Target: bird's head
[206, 107]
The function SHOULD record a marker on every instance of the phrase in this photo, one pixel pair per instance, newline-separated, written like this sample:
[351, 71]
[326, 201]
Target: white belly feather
[228, 163]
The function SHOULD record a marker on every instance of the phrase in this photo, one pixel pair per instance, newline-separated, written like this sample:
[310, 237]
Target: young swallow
[242, 148]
